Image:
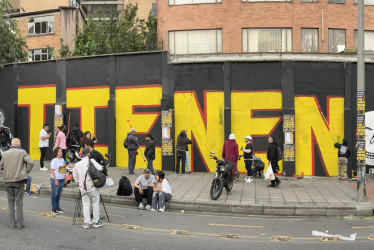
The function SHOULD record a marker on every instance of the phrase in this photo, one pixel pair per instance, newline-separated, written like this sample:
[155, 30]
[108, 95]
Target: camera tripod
[78, 207]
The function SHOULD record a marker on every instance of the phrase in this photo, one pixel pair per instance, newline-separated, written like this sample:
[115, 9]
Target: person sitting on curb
[161, 192]
[143, 188]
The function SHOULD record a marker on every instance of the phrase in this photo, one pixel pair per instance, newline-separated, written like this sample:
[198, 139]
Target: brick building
[247, 26]
[44, 22]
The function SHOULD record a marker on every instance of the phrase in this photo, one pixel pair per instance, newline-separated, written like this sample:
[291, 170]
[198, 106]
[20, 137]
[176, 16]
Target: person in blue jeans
[28, 185]
[58, 179]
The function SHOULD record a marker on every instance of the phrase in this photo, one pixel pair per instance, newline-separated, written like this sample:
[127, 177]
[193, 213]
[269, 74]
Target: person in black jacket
[132, 149]
[272, 156]
[343, 155]
[182, 142]
[149, 152]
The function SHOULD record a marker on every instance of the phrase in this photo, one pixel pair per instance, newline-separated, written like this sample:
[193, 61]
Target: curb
[362, 209]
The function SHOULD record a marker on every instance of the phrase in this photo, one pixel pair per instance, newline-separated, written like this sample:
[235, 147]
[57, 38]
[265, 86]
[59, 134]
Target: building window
[154, 9]
[40, 54]
[309, 1]
[248, 1]
[267, 40]
[366, 2]
[337, 1]
[97, 11]
[368, 39]
[309, 40]
[41, 25]
[181, 2]
[195, 42]
[336, 40]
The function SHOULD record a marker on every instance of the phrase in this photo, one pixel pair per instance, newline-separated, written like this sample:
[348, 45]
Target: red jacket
[230, 151]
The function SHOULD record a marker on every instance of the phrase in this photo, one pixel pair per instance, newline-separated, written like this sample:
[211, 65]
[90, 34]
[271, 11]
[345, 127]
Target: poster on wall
[288, 152]
[166, 125]
[58, 119]
[288, 123]
[360, 136]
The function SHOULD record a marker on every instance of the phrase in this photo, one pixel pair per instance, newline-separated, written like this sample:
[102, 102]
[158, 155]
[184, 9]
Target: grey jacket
[17, 164]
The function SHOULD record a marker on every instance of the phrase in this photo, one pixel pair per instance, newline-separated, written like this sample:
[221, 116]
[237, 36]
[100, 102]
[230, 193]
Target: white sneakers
[162, 209]
[141, 206]
[248, 179]
[44, 169]
[148, 207]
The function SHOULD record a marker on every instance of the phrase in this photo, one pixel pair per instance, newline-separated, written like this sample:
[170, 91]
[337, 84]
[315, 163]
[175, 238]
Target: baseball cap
[132, 130]
[248, 137]
[147, 170]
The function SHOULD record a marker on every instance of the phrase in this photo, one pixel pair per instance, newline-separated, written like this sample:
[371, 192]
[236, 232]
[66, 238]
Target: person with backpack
[88, 188]
[149, 152]
[343, 155]
[5, 139]
[74, 137]
[132, 145]
[273, 158]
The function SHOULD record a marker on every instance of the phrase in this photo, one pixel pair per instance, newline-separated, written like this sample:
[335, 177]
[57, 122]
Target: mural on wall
[205, 126]
[36, 98]
[369, 137]
[315, 131]
[131, 101]
[88, 100]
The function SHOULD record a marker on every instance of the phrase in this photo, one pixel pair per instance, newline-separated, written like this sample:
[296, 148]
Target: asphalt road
[152, 230]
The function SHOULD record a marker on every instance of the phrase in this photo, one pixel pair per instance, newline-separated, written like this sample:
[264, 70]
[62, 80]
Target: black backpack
[126, 143]
[124, 187]
[279, 154]
[98, 177]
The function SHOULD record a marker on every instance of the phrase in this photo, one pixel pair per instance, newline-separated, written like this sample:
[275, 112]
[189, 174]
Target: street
[152, 230]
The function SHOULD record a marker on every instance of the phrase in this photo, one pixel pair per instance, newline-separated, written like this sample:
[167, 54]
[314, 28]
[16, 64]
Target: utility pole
[360, 131]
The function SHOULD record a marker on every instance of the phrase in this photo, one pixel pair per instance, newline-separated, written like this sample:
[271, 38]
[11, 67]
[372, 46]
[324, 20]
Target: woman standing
[57, 180]
[61, 141]
[149, 152]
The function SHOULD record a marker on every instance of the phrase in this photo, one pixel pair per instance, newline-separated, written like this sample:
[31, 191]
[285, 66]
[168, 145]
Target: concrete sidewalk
[319, 196]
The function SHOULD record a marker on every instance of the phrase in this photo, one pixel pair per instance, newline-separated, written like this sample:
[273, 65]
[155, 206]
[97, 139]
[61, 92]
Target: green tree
[116, 33]
[13, 46]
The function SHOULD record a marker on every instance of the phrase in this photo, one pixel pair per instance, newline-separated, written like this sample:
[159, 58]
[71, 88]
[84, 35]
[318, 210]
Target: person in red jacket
[230, 152]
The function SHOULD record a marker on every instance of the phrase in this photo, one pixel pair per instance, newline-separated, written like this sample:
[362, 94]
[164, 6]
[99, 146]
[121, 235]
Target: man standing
[182, 142]
[133, 146]
[17, 164]
[343, 155]
[90, 194]
[272, 156]
[149, 152]
[43, 145]
[248, 157]
[230, 152]
[143, 187]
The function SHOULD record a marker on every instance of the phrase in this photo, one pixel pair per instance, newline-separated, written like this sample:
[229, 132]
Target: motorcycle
[73, 153]
[222, 179]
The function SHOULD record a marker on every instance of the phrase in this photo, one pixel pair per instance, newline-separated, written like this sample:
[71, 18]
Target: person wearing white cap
[132, 148]
[248, 156]
[230, 152]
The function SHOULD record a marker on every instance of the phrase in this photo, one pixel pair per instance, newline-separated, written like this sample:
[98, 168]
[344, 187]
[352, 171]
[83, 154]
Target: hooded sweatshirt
[343, 149]
[230, 151]
[182, 141]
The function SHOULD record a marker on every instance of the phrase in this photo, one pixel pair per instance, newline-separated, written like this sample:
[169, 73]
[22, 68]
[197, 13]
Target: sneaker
[98, 224]
[86, 225]
[248, 180]
[182, 174]
[44, 169]
[162, 209]
[339, 179]
[27, 193]
[153, 209]
[277, 183]
[245, 178]
[141, 206]
[54, 211]
[20, 226]
[148, 207]
[345, 180]
[60, 211]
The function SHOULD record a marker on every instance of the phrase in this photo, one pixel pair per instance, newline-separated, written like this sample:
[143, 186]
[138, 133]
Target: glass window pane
[336, 40]
[37, 57]
[44, 27]
[309, 40]
[267, 40]
[38, 28]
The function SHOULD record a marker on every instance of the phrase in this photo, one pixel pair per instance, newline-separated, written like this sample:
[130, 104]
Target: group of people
[155, 188]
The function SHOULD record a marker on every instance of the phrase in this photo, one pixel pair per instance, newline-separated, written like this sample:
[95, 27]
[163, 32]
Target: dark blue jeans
[248, 166]
[28, 184]
[56, 192]
[150, 165]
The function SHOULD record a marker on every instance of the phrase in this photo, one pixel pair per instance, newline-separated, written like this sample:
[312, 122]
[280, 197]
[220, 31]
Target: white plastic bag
[269, 173]
[109, 182]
